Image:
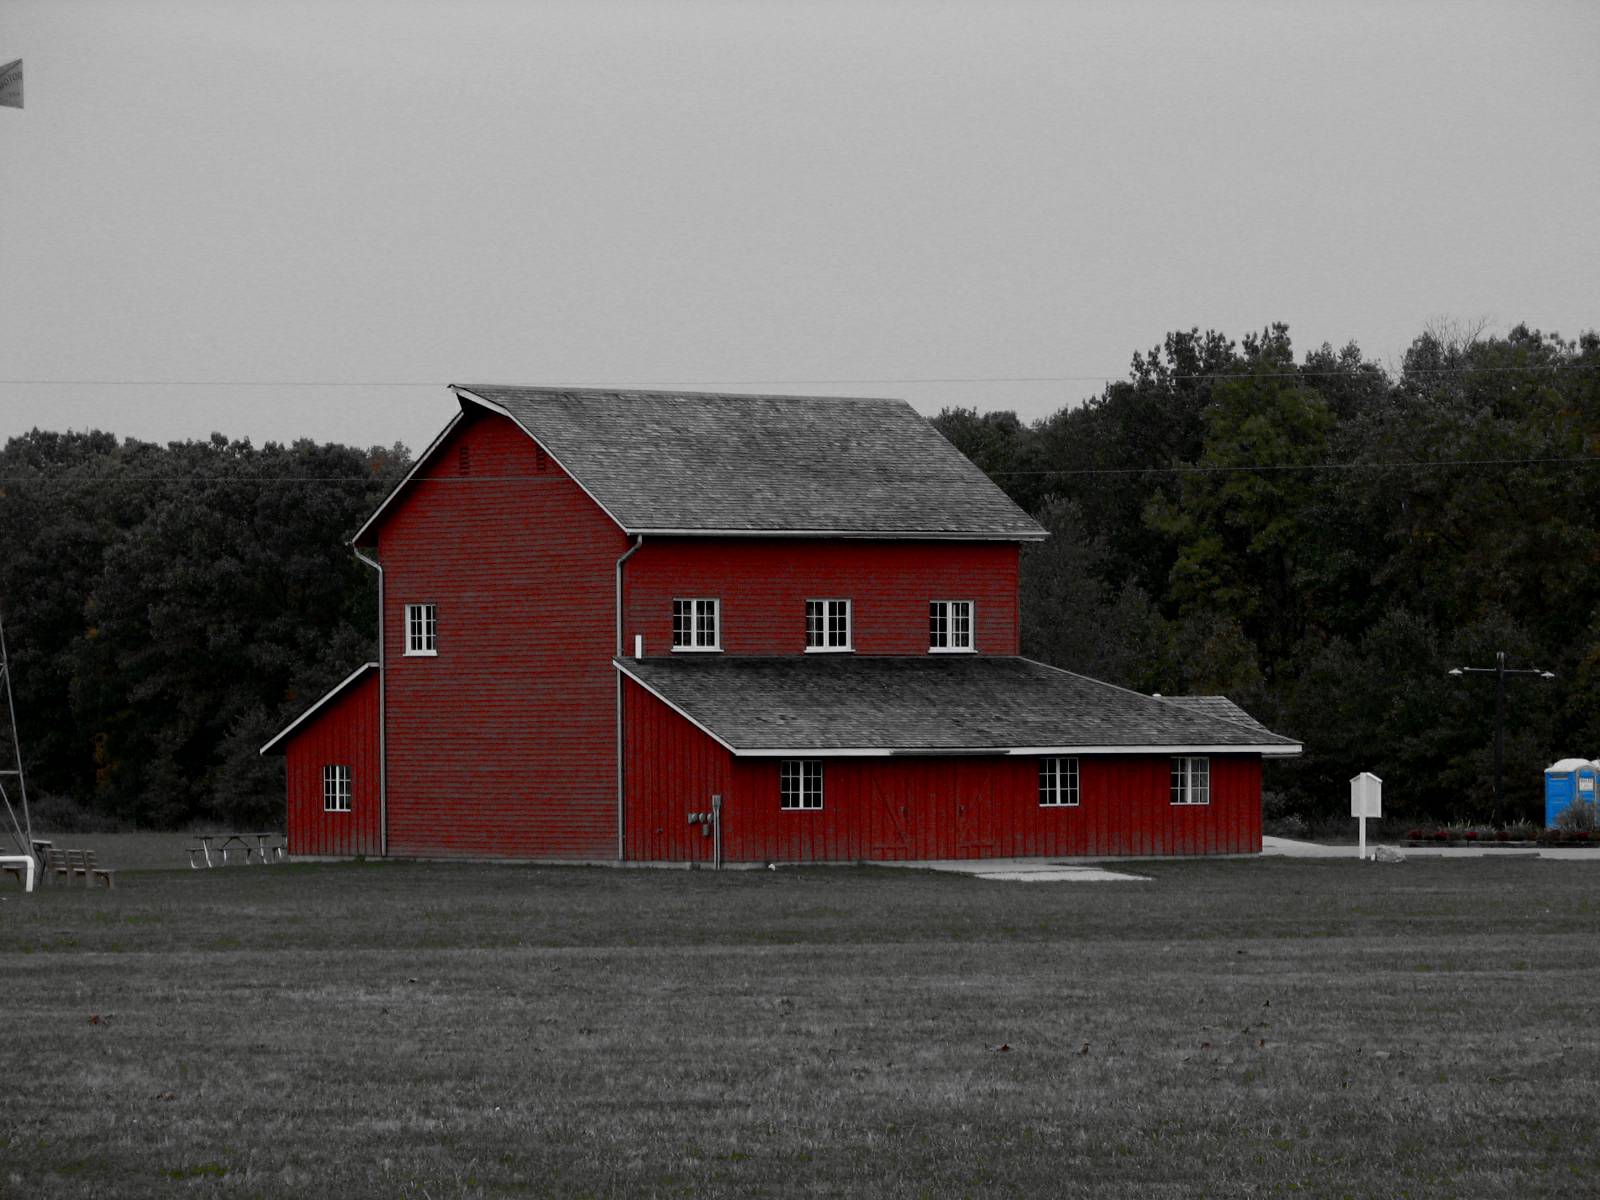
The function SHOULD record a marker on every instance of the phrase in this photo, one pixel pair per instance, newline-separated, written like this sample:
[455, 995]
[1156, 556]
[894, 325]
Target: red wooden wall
[890, 809]
[343, 733]
[764, 586]
[503, 745]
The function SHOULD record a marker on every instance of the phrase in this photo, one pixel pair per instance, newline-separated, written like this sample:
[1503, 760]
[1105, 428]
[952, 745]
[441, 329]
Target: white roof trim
[1268, 751]
[306, 716]
[415, 467]
[898, 535]
[621, 666]
[491, 406]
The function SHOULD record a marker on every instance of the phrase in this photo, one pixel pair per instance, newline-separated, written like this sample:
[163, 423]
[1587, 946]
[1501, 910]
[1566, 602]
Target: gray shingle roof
[700, 462]
[938, 703]
[1219, 707]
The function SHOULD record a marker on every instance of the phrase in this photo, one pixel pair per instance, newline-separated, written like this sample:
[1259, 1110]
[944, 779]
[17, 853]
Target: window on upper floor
[800, 783]
[695, 625]
[1058, 782]
[1191, 781]
[827, 625]
[335, 788]
[422, 629]
[950, 626]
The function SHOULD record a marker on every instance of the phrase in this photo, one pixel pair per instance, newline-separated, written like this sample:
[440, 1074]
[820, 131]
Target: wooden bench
[93, 871]
[70, 864]
[55, 863]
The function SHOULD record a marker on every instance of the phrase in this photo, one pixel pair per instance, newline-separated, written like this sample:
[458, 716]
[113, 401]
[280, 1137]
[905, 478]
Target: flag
[11, 84]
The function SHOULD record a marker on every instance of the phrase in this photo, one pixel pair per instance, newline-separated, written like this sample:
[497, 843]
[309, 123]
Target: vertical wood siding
[898, 809]
[345, 733]
[763, 587]
[503, 745]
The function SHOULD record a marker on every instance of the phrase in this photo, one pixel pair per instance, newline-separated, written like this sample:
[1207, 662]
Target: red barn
[604, 613]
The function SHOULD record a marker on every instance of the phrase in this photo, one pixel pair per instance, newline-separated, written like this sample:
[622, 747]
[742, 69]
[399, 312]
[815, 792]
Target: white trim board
[490, 406]
[617, 663]
[422, 460]
[305, 716]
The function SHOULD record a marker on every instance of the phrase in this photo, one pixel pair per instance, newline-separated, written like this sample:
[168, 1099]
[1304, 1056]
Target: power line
[1419, 464]
[1104, 377]
[1186, 469]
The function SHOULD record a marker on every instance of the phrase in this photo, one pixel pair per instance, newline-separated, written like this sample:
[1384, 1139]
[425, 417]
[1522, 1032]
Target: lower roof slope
[939, 704]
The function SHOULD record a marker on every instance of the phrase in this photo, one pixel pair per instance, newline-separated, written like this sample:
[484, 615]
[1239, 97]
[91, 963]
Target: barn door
[891, 822]
[974, 801]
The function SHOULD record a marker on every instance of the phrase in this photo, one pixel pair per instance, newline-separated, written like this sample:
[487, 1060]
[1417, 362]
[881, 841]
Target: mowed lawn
[1230, 1028]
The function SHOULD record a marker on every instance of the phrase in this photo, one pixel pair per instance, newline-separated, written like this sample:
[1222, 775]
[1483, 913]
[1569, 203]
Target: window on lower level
[422, 629]
[800, 783]
[950, 625]
[827, 624]
[694, 625]
[1191, 781]
[1058, 782]
[335, 788]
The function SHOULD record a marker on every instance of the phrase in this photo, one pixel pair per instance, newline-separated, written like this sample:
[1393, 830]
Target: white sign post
[1366, 800]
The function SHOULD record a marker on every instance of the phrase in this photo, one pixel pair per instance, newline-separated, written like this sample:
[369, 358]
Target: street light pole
[1500, 671]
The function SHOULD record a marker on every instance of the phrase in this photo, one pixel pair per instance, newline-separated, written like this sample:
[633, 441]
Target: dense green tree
[1323, 542]
[168, 603]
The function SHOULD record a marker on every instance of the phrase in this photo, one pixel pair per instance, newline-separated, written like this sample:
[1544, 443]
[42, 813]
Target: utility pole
[21, 830]
[1500, 671]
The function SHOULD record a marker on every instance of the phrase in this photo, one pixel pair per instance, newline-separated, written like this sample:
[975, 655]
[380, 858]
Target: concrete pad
[1290, 848]
[1022, 870]
[1064, 875]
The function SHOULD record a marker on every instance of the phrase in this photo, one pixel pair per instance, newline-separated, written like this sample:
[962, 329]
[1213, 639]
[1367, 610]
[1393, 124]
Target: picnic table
[264, 845]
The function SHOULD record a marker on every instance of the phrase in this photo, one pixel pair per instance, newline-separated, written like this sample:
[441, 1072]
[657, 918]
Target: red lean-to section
[343, 733]
[906, 808]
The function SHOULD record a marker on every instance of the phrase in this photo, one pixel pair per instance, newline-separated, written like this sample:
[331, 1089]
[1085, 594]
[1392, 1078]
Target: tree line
[169, 608]
[1321, 540]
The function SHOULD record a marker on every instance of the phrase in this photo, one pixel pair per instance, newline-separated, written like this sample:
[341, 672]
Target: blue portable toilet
[1568, 780]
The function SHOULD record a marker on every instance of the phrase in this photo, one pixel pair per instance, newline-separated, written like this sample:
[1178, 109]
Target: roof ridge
[665, 393]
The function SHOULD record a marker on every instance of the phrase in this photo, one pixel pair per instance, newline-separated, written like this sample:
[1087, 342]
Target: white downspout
[383, 724]
[638, 541]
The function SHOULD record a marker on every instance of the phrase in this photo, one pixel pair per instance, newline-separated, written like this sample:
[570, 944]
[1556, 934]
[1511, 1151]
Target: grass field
[1231, 1028]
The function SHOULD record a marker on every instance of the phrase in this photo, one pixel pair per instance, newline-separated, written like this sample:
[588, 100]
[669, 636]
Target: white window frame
[800, 785]
[335, 788]
[948, 608]
[698, 605]
[422, 630]
[1191, 779]
[1059, 783]
[826, 611]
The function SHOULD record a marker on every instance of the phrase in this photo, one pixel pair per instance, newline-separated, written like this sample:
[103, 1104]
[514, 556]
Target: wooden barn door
[974, 801]
[933, 808]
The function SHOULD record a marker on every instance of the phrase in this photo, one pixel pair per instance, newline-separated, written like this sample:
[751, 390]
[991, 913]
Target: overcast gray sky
[760, 196]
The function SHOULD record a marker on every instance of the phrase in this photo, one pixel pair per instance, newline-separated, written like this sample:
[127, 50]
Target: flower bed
[1515, 836]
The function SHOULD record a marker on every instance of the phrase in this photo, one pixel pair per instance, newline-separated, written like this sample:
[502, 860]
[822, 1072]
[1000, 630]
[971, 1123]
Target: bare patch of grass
[1235, 1028]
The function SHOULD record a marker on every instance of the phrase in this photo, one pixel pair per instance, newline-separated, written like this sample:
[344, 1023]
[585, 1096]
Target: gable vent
[464, 460]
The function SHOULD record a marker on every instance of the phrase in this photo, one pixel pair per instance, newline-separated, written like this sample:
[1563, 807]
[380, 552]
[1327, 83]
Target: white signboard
[1366, 795]
[1366, 801]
